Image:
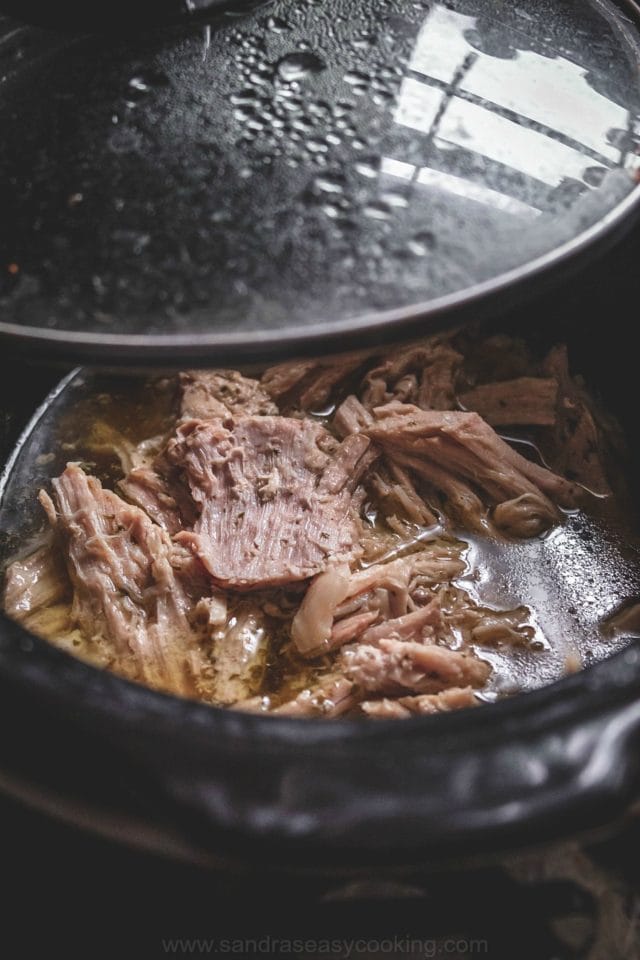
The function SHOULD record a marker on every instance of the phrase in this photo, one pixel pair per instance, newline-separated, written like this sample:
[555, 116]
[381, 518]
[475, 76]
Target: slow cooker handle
[557, 763]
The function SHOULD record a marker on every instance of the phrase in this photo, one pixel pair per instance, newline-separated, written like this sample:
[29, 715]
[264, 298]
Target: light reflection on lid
[233, 196]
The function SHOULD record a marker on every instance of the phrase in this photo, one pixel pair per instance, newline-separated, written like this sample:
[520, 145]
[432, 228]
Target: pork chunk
[222, 393]
[462, 445]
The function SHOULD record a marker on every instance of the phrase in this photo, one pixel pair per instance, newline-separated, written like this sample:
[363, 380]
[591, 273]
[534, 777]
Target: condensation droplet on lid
[296, 66]
[277, 25]
[398, 200]
[377, 211]
[364, 42]
[139, 84]
[329, 183]
[355, 79]
[367, 168]
[331, 210]
[421, 244]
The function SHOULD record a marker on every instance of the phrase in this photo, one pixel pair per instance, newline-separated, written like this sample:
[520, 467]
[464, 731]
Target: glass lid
[306, 176]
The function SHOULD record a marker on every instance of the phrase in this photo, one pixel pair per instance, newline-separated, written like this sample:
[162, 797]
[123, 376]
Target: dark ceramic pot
[221, 787]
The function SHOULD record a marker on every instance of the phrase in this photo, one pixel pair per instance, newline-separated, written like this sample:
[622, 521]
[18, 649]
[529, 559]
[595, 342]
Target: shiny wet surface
[313, 163]
[573, 578]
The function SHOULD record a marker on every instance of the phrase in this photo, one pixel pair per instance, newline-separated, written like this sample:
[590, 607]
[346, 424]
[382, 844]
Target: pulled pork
[291, 545]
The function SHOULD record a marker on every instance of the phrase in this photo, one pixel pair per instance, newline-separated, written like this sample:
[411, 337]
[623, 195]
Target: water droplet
[364, 42]
[296, 66]
[331, 210]
[329, 183]
[317, 146]
[421, 244]
[277, 25]
[398, 200]
[139, 84]
[342, 108]
[303, 124]
[369, 168]
[143, 82]
[355, 79]
[319, 109]
[244, 98]
[377, 211]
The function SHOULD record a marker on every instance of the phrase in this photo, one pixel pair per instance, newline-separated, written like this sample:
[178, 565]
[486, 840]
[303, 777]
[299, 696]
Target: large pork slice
[125, 588]
[278, 497]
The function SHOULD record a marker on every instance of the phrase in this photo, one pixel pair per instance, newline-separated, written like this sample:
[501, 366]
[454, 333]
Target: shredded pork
[294, 544]
[126, 591]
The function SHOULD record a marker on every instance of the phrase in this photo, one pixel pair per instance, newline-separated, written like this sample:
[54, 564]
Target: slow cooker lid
[305, 176]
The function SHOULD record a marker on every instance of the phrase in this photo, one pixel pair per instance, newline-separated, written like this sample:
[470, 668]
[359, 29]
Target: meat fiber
[384, 588]
[389, 484]
[393, 666]
[475, 624]
[578, 445]
[394, 490]
[463, 504]
[221, 393]
[351, 417]
[331, 697]
[423, 374]
[309, 384]
[35, 582]
[125, 588]
[456, 698]
[278, 499]
[462, 445]
[527, 401]
[150, 490]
